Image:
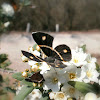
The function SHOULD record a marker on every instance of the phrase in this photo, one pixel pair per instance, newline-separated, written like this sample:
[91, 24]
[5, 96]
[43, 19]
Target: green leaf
[24, 92]
[25, 2]
[84, 47]
[3, 57]
[45, 98]
[18, 76]
[5, 64]
[97, 88]
[45, 95]
[9, 89]
[29, 74]
[97, 67]
[27, 83]
[83, 87]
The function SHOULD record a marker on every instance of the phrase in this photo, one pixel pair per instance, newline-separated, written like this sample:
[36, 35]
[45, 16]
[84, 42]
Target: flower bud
[34, 84]
[24, 59]
[24, 74]
[37, 48]
[40, 84]
[90, 96]
[26, 70]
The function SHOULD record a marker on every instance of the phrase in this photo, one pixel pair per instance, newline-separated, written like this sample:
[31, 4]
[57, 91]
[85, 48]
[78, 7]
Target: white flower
[34, 95]
[24, 58]
[73, 74]
[52, 95]
[30, 49]
[32, 63]
[53, 80]
[35, 52]
[35, 67]
[78, 57]
[7, 9]
[44, 67]
[6, 24]
[67, 63]
[90, 59]
[90, 96]
[90, 73]
[71, 91]
[99, 82]
[57, 96]
[78, 49]
[98, 98]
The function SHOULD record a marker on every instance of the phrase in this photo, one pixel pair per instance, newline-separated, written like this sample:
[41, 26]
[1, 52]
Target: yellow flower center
[54, 80]
[61, 95]
[71, 90]
[89, 61]
[88, 73]
[33, 92]
[72, 75]
[75, 61]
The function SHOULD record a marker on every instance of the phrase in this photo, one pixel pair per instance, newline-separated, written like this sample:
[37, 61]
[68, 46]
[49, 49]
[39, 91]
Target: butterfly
[36, 78]
[54, 56]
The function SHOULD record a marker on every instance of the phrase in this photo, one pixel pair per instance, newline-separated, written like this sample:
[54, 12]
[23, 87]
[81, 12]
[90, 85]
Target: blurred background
[71, 22]
[45, 14]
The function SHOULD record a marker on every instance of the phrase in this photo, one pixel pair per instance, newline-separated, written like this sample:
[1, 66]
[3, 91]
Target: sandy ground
[13, 43]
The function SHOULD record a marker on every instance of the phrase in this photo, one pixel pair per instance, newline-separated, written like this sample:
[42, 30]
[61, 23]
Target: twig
[8, 71]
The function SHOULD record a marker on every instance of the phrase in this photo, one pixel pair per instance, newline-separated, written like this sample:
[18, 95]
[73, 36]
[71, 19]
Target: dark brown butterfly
[54, 56]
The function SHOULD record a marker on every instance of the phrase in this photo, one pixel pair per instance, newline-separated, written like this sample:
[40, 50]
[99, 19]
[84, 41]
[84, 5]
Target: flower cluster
[7, 9]
[81, 70]
[6, 15]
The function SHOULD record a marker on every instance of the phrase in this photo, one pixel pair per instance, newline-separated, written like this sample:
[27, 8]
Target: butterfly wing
[32, 57]
[36, 77]
[43, 39]
[64, 51]
[53, 53]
